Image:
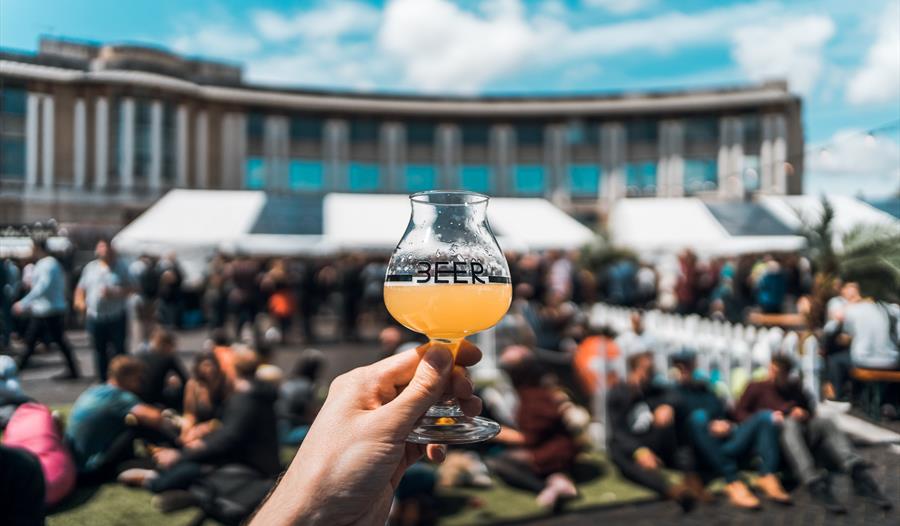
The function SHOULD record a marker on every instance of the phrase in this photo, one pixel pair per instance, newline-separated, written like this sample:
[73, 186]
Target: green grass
[599, 485]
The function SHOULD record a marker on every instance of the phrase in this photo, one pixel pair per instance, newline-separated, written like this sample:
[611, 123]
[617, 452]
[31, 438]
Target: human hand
[18, 309]
[166, 457]
[720, 428]
[777, 418]
[799, 414]
[663, 415]
[351, 461]
[646, 459]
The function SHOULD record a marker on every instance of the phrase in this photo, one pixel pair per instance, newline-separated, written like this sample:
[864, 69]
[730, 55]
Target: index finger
[401, 367]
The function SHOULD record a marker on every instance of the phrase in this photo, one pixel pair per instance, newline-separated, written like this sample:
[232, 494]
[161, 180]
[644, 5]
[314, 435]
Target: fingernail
[439, 358]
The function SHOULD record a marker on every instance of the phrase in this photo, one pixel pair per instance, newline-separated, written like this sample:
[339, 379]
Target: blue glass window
[12, 158]
[305, 175]
[363, 177]
[255, 173]
[364, 130]
[306, 128]
[13, 100]
[530, 133]
[640, 177]
[420, 177]
[420, 132]
[584, 179]
[475, 133]
[255, 125]
[528, 179]
[700, 175]
[476, 178]
[13, 107]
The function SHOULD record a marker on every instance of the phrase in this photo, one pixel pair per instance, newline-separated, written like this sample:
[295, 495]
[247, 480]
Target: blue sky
[843, 57]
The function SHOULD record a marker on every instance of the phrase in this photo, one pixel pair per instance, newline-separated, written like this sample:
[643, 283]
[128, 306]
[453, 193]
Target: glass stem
[448, 407]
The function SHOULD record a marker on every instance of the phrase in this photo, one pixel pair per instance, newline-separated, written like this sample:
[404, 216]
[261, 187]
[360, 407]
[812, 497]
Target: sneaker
[772, 489]
[136, 477]
[820, 491]
[684, 497]
[173, 500]
[740, 496]
[865, 486]
[695, 483]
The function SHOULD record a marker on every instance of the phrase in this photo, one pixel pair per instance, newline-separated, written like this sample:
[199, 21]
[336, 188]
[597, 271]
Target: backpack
[231, 493]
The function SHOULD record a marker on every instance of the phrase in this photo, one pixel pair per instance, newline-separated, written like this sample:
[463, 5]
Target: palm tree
[867, 254]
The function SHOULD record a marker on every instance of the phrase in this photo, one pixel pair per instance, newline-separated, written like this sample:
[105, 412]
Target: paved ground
[341, 357]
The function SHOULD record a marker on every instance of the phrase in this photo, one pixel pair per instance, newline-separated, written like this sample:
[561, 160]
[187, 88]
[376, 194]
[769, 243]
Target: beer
[447, 311]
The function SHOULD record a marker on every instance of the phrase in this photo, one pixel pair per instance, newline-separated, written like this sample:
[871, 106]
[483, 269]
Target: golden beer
[447, 311]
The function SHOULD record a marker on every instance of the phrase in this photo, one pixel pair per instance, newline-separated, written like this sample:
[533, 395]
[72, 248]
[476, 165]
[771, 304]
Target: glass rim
[420, 197]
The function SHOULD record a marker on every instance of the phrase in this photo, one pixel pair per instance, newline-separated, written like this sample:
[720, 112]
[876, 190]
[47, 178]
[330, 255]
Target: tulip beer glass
[448, 279]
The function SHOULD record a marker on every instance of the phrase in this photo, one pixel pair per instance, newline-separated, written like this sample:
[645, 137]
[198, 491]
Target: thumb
[426, 388]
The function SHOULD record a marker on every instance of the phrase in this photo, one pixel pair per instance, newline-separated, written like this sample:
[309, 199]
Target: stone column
[233, 149]
[336, 154]
[392, 145]
[48, 122]
[502, 158]
[556, 161]
[276, 137]
[126, 144]
[612, 154]
[32, 141]
[156, 145]
[779, 155]
[181, 147]
[101, 143]
[201, 150]
[449, 154]
[79, 155]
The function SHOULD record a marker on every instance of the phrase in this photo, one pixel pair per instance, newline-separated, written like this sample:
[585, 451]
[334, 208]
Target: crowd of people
[226, 416]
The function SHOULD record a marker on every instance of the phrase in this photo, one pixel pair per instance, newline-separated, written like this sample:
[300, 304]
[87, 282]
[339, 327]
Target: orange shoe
[694, 483]
[740, 496]
[772, 489]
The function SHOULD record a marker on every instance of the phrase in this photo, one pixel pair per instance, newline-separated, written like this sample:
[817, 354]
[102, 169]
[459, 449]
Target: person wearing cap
[806, 435]
[720, 444]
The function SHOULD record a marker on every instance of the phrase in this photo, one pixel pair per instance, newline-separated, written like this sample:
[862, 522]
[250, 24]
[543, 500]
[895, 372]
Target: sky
[842, 57]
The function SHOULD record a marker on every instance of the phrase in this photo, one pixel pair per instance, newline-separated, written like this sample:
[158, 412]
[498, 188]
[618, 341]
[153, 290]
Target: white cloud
[330, 20]
[878, 80]
[217, 41]
[855, 163]
[791, 48]
[621, 7]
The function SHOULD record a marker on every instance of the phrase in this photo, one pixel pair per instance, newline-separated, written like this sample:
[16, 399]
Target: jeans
[107, 333]
[50, 329]
[662, 441]
[757, 435]
[838, 371]
[818, 436]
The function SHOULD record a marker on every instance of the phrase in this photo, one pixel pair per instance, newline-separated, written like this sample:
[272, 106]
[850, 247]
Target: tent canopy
[254, 222]
[654, 226]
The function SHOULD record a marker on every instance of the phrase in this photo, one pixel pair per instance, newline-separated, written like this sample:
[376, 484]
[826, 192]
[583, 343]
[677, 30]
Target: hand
[720, 428]
[351, 461]
[18, 309]
[663, 415]
[646, 459]
[799, 414]
[195, 444]
[166, 457]
[777, 418]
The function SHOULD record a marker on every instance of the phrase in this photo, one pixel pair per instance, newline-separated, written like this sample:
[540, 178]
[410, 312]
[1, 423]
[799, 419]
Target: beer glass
[448, 279]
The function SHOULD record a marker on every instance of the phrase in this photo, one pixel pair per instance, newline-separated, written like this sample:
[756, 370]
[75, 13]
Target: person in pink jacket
[33, 429]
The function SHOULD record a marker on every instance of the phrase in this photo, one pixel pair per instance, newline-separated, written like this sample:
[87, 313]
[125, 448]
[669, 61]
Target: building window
[142, 139]
[170, 146]
[364, 130]
[528, 179]
[642, 131]
[420, 133]
[640, 178]
[751, 129]
[701, 130]
[475, 134]
[255, 126]
[530, 134]
[363, 177]
[305, 175]
[475, 178]
[579, 133]
[420, 177]
[584, 179]
[700, 175]
[13, 107]
[255, 173]
[306, 128]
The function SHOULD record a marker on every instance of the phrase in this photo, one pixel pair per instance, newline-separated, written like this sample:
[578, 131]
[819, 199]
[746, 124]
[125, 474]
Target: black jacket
[248, 434]
[626, 405]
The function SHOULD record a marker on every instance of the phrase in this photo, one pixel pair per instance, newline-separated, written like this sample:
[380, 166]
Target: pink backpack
[32, 428]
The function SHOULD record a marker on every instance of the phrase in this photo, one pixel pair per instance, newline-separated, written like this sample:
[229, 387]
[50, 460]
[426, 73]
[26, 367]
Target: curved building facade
[95, 133]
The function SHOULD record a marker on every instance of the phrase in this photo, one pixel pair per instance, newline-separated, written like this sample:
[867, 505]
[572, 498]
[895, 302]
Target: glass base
[447, 424]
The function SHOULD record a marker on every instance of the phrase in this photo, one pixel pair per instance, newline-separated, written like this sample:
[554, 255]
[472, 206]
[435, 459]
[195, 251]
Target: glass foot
[447, 424]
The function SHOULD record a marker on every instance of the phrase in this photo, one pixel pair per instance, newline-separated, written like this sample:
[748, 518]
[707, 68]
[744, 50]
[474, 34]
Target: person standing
[101, 293]
[46, 306]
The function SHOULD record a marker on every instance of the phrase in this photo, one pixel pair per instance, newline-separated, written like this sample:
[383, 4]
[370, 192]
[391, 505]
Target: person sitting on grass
[164, 376]
[204, 397]
[297, 402]
[543, 447]
[722, 445]
[247, 436]
[805, 435]
[643, 437]
[106, 419]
